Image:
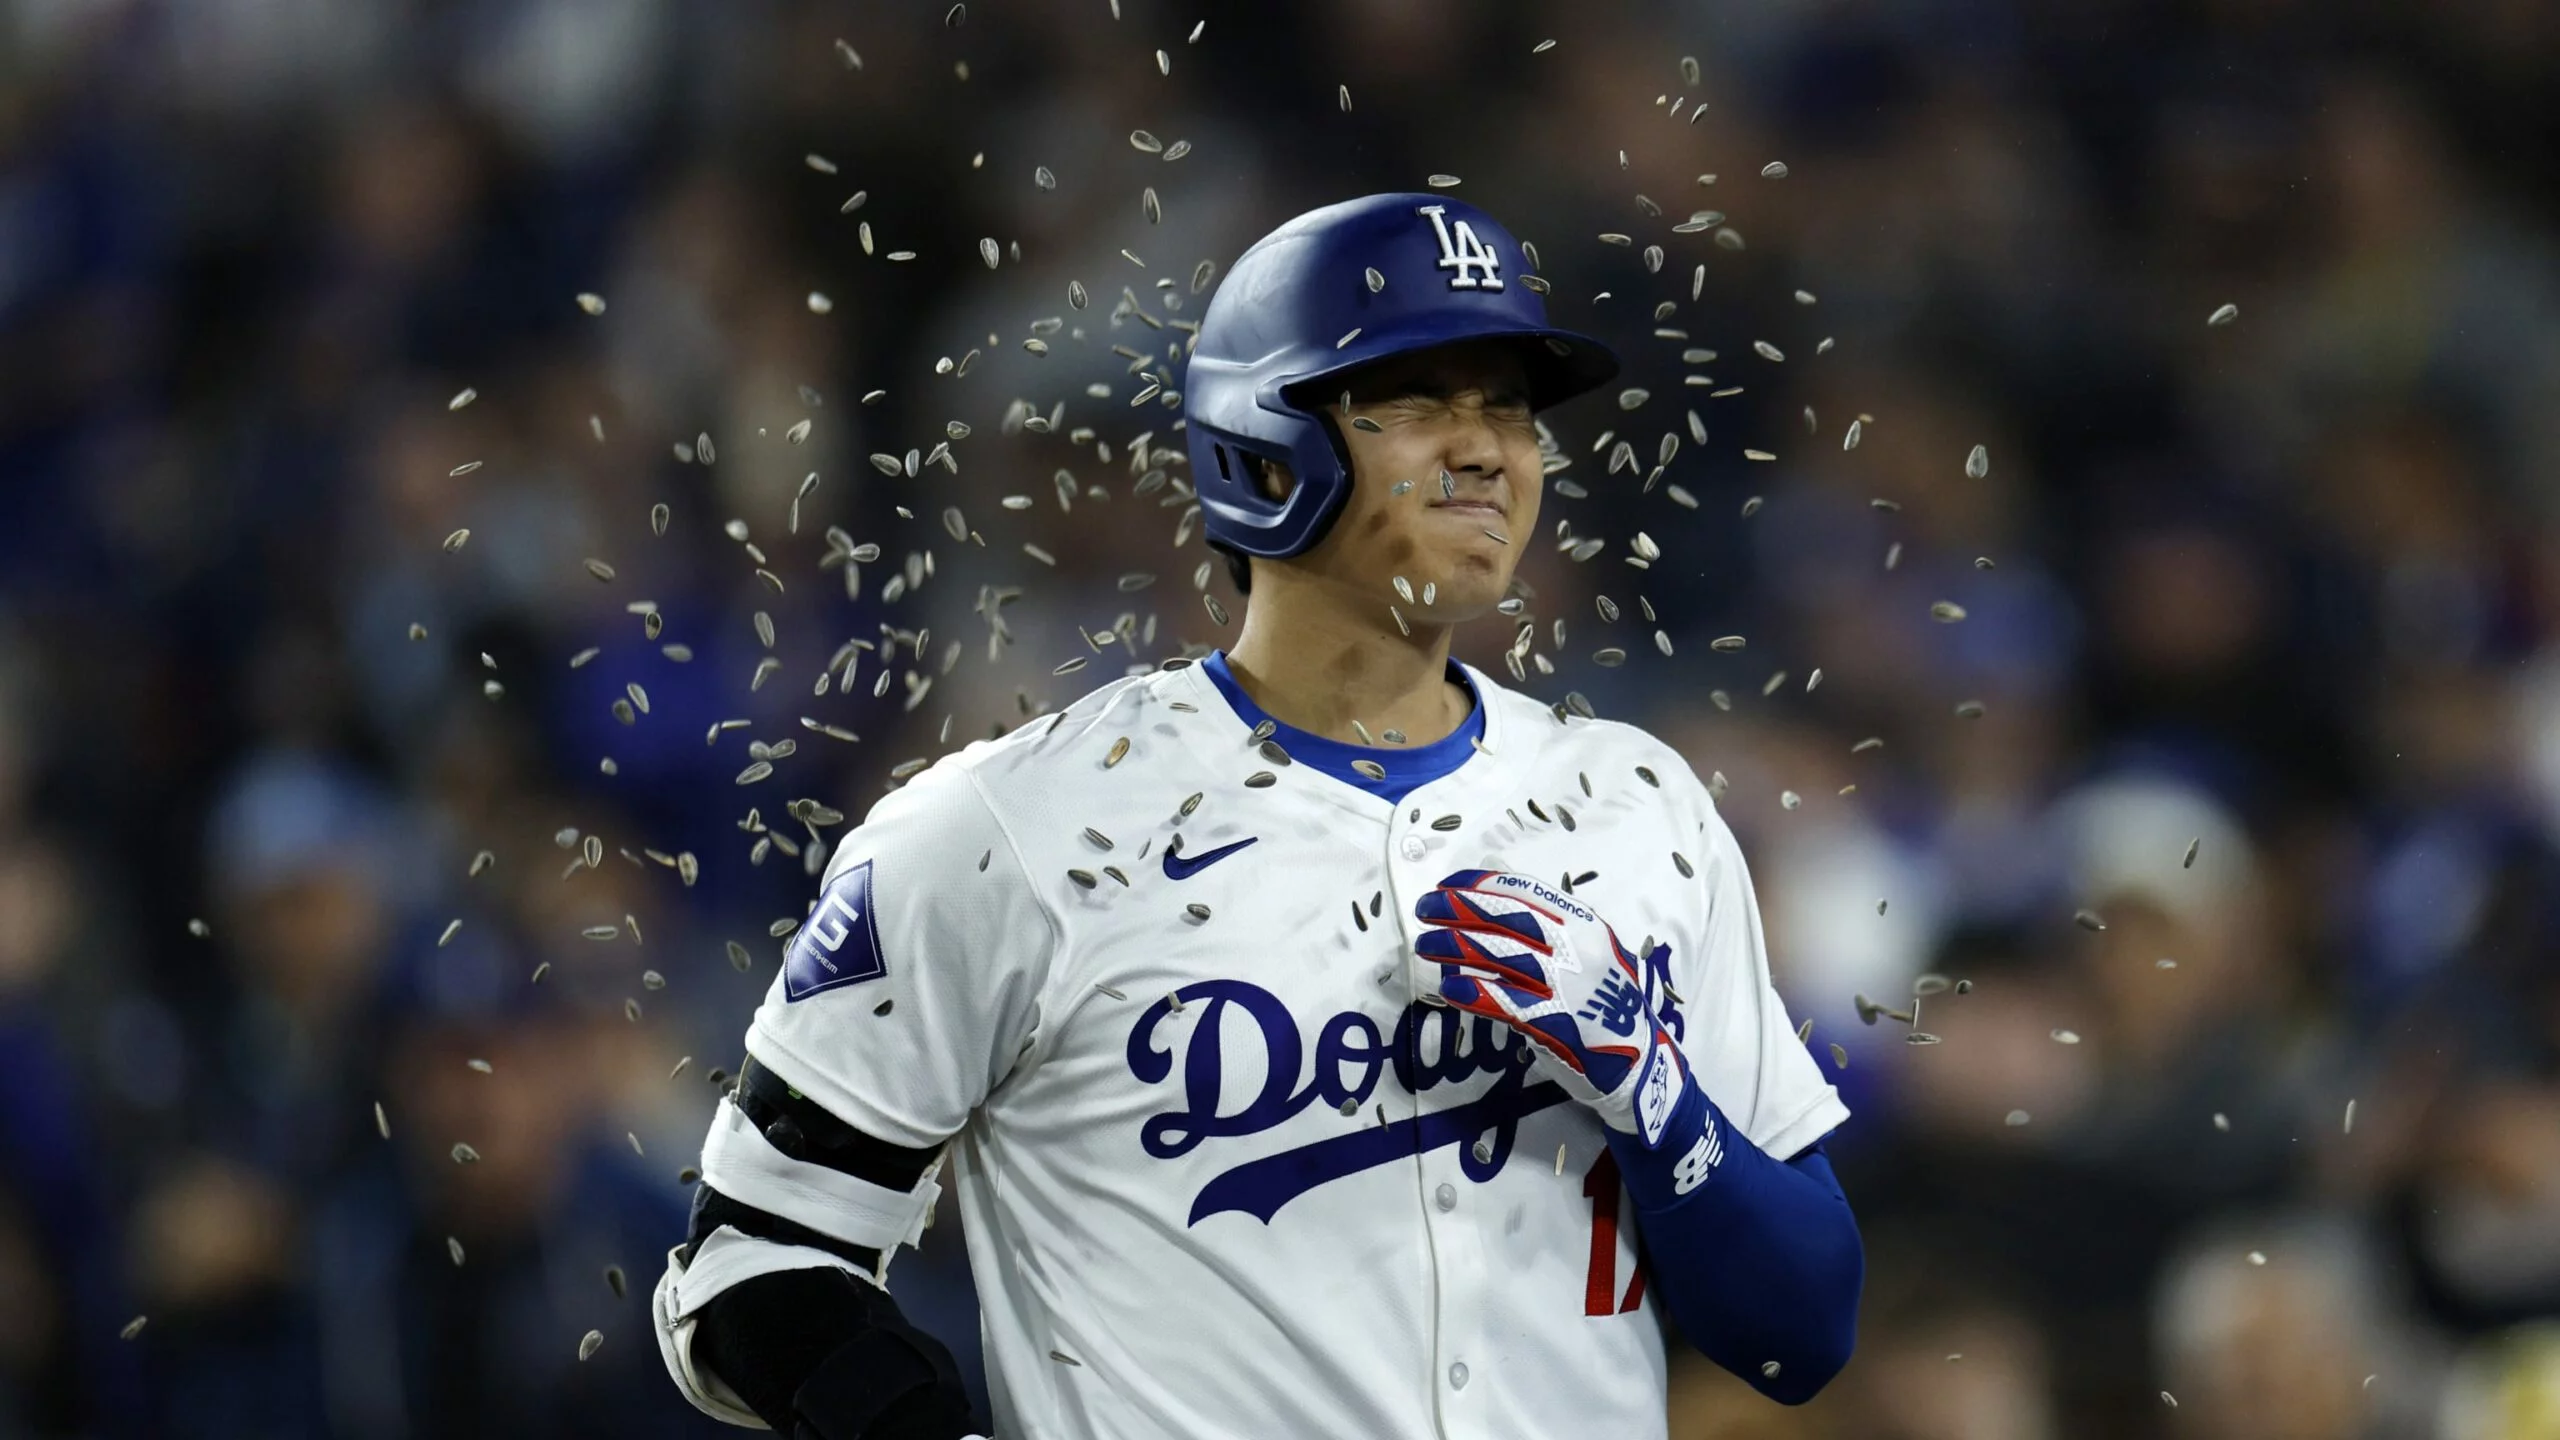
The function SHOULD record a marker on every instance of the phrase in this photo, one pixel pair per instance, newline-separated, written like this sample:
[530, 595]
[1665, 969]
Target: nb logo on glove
[1615, 1004]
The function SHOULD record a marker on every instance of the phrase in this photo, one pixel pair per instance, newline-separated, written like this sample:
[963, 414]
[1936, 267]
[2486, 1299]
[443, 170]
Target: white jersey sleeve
[914, 986]
[1739, 1040]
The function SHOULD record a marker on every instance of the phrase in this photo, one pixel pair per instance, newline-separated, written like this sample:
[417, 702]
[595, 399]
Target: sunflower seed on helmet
[2223, 315]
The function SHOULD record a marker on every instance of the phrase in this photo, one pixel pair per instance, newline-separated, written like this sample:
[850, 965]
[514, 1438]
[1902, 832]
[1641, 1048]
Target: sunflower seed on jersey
[1192, 804]
[1260, 780]
[1084, 878]
[2223, 315]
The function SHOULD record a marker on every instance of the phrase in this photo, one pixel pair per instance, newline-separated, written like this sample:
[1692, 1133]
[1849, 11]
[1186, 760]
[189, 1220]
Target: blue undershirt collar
[1408, 767]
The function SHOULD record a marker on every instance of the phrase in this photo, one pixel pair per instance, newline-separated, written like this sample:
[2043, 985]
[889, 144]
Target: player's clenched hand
[1515, 950]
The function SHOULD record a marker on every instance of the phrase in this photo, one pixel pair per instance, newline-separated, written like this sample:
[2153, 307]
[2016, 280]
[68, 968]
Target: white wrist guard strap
[740, 1163]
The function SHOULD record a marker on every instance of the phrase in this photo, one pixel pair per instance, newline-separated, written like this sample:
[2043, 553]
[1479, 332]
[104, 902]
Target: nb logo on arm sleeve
[840, 945]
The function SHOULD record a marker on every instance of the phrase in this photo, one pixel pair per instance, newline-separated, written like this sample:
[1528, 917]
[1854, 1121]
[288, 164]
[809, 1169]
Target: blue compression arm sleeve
[1760, 1261]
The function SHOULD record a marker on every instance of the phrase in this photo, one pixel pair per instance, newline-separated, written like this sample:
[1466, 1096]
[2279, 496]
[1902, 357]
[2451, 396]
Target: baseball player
[1324, 1039]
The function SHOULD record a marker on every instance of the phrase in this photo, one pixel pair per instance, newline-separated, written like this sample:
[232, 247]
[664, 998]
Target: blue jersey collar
[1408, 767]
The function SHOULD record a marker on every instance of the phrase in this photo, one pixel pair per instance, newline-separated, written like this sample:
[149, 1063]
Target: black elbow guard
[821, 1355]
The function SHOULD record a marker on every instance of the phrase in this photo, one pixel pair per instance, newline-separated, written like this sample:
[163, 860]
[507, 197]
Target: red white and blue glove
[1513, 949]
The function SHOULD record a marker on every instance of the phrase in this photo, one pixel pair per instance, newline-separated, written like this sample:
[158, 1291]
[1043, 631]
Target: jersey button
[1458, 1376]
[1413, 847]
[1447, 1195]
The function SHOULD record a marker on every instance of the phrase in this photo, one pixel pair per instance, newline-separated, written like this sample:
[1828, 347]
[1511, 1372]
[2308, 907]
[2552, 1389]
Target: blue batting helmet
[1334, 289]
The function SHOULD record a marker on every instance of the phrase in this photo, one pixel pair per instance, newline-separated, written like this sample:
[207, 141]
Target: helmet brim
[1560, 364]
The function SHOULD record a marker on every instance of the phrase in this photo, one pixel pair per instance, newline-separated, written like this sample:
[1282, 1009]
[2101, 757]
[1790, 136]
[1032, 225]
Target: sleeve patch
[840, 944]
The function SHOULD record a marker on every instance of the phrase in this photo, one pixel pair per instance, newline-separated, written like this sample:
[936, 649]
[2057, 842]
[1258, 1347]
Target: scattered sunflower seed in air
[2189, 862]
[456, 540]
[464, 1155]
[593, 1340]
[2088, 920]
[1977, 464]
[2223, 316]
[591, 303]
[133, 1327]
[1946, 612]
[381, 1120]
[1767, 351]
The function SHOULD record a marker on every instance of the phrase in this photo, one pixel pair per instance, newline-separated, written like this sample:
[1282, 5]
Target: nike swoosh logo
[1177, 867]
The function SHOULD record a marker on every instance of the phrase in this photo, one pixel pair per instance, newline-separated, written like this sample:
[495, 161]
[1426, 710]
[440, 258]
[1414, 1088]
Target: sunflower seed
[1260, 780]
[1633, 396]
[593, 1340]
[2223, 315]
[1768, 351]
[456, 540]
[591, 303]
[1969, 709]
[465, 1155]
[1443, 182]
[1727, 644]
[1977, 463]
[1119, 752]
[1946, 612]
[1151, 206]
[2088, 920]
[760, 770]
[2189, 862]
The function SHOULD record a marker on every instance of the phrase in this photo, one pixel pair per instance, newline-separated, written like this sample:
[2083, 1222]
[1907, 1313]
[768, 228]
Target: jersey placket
[1419, 855]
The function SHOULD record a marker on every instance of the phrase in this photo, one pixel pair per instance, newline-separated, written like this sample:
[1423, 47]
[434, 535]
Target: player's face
[1461, 409]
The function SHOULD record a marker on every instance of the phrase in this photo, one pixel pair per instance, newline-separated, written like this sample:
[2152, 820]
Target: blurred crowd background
[2286, 589]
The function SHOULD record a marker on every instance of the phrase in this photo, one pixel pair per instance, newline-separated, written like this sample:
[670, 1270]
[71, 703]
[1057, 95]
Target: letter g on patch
[840, 944]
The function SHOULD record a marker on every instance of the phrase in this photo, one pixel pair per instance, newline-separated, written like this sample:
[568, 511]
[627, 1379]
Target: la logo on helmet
[1461, 251]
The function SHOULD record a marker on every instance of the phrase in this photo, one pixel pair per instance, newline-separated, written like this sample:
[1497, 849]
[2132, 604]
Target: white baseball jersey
[1223, 1174]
